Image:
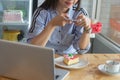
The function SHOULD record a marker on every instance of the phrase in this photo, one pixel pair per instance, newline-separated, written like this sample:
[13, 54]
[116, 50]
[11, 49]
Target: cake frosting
[70, 59]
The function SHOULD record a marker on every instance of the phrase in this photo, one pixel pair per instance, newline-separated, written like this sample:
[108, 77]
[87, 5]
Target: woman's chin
[68, 6]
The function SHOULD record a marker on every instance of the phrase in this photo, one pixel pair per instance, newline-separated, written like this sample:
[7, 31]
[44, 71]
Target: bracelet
[88, 30]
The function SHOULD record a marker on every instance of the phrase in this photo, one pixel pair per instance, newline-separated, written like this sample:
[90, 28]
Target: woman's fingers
[66, 18]
[81, 16]
[81, 24]
[82, 21]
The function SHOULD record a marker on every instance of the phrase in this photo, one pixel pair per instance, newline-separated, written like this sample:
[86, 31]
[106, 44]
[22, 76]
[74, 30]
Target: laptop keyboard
[56, 76]
[60, 74]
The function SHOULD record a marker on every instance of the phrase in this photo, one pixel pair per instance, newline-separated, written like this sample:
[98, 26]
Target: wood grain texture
[91, 71]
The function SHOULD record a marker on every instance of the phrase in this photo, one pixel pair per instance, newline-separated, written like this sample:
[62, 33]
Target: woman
[62, 25]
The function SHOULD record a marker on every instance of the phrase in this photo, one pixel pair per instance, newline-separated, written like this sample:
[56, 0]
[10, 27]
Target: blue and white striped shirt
[64, 39]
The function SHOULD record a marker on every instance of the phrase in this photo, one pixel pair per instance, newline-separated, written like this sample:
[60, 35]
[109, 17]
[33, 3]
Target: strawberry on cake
[70, 59]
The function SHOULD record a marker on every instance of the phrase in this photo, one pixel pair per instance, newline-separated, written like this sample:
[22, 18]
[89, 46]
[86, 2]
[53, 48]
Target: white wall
[87, 4]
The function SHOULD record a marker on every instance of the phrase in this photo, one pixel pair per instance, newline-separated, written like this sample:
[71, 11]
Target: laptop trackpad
[60, 74]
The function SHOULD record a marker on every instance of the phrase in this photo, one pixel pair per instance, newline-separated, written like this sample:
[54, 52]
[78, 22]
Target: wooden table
[91, 71]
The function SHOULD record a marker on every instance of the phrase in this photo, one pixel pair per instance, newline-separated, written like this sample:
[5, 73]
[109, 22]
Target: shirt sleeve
[78, 33]
[38, 24]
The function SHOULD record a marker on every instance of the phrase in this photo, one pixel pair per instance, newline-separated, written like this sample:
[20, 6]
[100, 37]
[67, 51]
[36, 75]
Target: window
[108, 12]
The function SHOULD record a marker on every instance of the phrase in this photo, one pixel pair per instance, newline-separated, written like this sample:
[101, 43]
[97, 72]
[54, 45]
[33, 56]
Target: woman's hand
[83, 21]
[60, 20]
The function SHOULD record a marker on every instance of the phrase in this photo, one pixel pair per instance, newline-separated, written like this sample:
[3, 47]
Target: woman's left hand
[83, 21]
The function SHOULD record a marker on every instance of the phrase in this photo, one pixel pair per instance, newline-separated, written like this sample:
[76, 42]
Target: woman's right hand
[60, 20]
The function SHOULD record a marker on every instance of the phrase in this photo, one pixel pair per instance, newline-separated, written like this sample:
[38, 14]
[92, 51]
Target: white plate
[101, 68]
[59, 62]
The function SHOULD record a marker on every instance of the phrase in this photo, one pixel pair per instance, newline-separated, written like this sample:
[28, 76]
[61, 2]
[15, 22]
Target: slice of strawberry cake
[70, 59]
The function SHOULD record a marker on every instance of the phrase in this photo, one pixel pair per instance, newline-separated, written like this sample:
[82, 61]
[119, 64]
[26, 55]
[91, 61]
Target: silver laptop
[22, 61]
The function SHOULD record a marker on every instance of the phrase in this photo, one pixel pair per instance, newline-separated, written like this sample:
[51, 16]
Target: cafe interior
[101, 62]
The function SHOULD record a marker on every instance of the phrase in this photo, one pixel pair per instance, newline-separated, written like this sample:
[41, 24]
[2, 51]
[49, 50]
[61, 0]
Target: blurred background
[14, 28]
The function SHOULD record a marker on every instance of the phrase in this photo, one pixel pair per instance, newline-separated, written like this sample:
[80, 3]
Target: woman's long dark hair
[52, 4]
